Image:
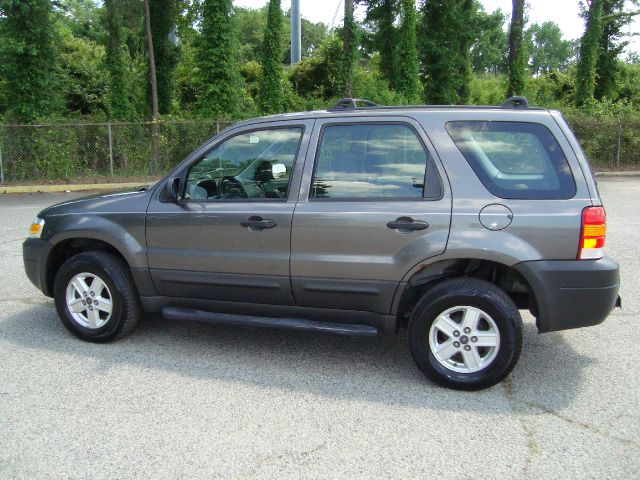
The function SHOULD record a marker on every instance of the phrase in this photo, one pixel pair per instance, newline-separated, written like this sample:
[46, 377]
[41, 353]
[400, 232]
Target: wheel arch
[505, 277]
[68, 247]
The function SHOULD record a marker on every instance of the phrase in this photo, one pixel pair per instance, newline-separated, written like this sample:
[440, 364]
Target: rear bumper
[35, 253]
[572, 293]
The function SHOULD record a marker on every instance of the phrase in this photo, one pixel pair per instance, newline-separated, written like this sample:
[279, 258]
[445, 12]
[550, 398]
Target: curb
[628, 173]
[68, 188]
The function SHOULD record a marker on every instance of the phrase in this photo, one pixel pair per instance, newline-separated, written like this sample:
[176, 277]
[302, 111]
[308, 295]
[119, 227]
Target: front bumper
[572, 293]
[35, 253]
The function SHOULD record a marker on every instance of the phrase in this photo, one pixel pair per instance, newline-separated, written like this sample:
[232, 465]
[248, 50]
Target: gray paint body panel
[117, 218]
[534, 221]
[349, 240]
[192, 245]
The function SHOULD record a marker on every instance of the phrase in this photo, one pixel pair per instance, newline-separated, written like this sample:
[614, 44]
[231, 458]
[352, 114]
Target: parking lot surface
[185, 400]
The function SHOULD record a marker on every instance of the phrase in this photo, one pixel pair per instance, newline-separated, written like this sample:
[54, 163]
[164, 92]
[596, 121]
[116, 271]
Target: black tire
[474, 293]
[115, 274]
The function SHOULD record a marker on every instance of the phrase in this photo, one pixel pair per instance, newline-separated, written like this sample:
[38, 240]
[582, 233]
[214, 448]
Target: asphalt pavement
[185, 400]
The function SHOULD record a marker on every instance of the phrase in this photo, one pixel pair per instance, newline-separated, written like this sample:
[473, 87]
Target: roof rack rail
[515, 102]
[351, 103]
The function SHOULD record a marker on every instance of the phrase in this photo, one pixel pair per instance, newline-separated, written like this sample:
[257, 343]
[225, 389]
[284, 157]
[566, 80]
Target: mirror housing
[172, 189]
[278, 169]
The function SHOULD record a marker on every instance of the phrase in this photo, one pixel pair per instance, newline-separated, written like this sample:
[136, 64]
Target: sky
[563, 12]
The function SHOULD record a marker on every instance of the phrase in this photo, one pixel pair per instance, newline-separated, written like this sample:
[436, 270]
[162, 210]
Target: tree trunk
[516, 50]
[119, 104]
[386, 43]
[154, 88]
[586, 71]
[347, 46]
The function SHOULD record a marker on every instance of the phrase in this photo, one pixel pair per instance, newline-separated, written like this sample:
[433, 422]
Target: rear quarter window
[516, 160]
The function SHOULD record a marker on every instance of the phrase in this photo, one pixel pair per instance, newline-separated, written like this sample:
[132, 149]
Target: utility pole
[296, 35]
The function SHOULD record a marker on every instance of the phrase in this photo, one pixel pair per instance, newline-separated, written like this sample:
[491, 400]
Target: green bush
[369, 84]
[487, 89]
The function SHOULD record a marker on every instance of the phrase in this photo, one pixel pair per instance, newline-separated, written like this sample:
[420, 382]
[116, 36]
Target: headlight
[36, 227]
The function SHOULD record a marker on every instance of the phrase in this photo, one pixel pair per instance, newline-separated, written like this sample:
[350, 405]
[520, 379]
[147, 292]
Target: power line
[336, 14]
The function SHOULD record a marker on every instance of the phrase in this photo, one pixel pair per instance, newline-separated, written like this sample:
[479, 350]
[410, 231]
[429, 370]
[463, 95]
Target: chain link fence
[38, 153]
[609, 144]
[31, 153]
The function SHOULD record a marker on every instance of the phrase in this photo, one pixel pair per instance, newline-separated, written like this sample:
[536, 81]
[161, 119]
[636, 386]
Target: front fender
[124, 232]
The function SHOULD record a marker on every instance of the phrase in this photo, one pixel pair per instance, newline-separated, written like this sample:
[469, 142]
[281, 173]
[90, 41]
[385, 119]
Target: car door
[372, 205]
[228, 237]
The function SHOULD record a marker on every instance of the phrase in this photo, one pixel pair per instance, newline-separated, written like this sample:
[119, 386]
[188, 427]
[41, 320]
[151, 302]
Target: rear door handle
[407, 224]
[258, 223]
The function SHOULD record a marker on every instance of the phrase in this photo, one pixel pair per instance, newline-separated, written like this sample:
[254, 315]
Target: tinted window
[369, 161]
[251, 165]
[515, 159]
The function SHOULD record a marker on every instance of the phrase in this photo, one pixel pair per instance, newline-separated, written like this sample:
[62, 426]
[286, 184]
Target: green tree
[320, 76]
[467, 11]
[82, 17]
[633, 58]
[84, 78]
[608, 68]
[163, 24]
[516, 50]
[628, 85]
[548, 51]
[271, 93]
[380, 18]
[313, 34]
[406, 70]
[586, 73]
[120, 106]
[250, 23]
[219, 79]
[3, 97]
[446, 42]
[28, 59]
[186, 72]
[488, 49]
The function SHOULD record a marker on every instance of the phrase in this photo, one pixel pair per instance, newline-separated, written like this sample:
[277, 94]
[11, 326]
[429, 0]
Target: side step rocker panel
[173, 313]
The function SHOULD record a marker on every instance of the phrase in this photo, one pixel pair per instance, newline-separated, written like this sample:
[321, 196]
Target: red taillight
[592, 233]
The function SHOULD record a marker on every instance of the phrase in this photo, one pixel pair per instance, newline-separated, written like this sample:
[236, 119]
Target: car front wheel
[95, 297]
[465, 334]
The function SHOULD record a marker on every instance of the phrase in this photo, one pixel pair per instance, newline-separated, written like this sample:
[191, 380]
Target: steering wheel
[274, 192]
[231, 187]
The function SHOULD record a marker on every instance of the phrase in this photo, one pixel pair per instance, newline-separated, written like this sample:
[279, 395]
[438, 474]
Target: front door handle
[258, 223]
[407, 224]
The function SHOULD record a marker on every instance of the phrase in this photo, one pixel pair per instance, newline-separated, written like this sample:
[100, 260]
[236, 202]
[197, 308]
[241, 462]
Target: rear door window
[517, 160]
[372, 161]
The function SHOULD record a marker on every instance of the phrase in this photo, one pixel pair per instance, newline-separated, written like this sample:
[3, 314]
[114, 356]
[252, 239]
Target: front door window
[251, 165]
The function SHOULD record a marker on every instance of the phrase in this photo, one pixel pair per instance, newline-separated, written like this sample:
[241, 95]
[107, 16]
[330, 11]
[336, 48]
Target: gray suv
[357, 220]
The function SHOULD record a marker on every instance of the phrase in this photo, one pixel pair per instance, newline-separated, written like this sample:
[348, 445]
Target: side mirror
[172, 189]
[278, 170]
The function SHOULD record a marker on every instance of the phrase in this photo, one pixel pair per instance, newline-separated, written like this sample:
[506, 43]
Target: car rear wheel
[95, 297]
[465, 334]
